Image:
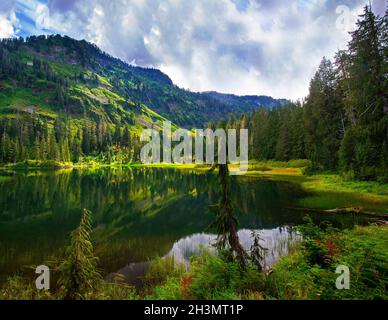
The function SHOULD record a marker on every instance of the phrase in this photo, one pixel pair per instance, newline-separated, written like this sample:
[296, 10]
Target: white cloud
[8, 22]
[6, 28]
[42, 17]
[236, 46]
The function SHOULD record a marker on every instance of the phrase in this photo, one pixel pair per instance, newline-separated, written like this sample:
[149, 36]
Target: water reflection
[138, 213]
[276, 241]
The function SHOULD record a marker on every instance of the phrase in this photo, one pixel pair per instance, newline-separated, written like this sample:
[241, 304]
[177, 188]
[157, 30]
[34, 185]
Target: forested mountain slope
[63, 99]
[60, 74]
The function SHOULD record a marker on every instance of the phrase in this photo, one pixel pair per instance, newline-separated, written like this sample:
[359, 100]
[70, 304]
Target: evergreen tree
[283, 146]
[322, 118]
[53, 150]
[76, 147]
[363, 149]
[79, 274]
[117, 135]
[86, 149]
[126, 139]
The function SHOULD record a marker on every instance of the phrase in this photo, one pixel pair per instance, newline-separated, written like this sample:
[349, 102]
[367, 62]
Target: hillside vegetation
[91, 102]
[66, 100]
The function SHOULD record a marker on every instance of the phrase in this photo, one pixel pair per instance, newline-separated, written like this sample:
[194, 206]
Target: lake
[138, 214]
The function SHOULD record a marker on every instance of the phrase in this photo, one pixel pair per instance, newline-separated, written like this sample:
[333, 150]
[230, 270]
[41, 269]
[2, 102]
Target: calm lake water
[138, 214]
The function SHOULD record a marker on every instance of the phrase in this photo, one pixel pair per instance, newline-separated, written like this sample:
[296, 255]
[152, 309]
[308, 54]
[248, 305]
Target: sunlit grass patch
[47, 164]
[331, 191]
[327, 191]
[298, 163]
[287, 171]
[332, 200]
[336, 183]
[103, 80]
[290, 168]
[67, 70]
[19, 98]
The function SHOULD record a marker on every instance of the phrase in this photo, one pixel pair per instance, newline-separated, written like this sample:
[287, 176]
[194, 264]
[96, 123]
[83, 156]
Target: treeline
[84, 52]
[346, 112]
[343, 123]
[29, 137]
[39, 71]
[277, 133]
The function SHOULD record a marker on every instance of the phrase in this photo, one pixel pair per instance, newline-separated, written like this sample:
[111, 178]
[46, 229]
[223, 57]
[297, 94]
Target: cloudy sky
[267, 47]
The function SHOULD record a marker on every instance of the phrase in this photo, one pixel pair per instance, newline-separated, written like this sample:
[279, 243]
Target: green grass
[299, 275]
[275, 168]
[14, 99]
[19, 288]
[66, 70]
[159, 272]
[334, 200]
[331, 181]
[48, 164]
[103, 80]
[325, 191]
[362, 249]
[331, 191]
[100, 99]
[210, 278]
[297, 163]
[336, 183]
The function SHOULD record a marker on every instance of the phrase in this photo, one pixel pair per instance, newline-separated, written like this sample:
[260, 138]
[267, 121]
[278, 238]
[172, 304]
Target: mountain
[246, 102]
[51, 75]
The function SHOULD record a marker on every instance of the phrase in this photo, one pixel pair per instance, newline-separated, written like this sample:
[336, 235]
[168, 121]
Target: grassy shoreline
[325, 190]
[308, 272]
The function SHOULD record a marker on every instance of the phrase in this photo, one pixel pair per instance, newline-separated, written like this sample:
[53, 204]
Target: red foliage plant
[185, 285]
[329, 247]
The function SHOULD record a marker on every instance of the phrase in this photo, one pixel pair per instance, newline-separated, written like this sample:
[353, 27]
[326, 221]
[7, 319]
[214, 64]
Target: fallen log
[345, 211]
[381, 222]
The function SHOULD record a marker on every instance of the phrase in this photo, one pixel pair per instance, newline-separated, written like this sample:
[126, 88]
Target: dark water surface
[138, 214]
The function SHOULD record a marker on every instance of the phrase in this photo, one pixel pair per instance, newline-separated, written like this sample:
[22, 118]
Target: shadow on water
[138, 214]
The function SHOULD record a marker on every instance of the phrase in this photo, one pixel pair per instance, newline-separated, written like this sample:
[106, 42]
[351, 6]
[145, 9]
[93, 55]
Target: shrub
[299, 163]
[312, 168]
[362, 249]
[318, 249]
[170, 290]
[160, 269]
[348, 175]
[251, 281]
[291, 279]
[310, 230]
[319, 252]
[46, 164]
[365, 251]
[115, 291]
[18, 288]
[213, 278]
